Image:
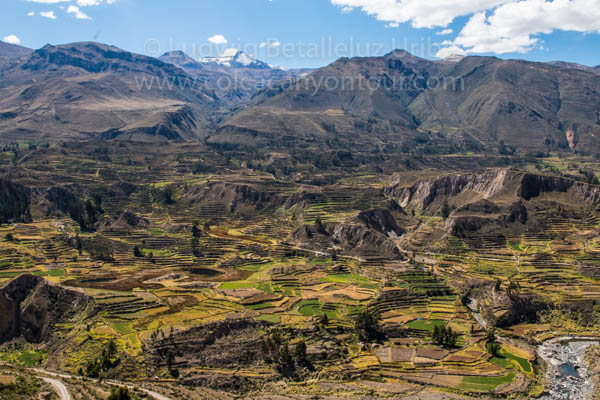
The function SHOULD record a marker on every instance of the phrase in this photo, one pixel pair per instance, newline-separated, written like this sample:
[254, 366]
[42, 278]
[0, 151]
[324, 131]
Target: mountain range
[391, 103]
[234, 75]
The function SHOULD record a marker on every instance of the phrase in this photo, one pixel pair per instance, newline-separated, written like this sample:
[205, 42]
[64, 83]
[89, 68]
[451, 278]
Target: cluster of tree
[93, 209]
[164, 196]
[444, 336]
[590, 176]
[120, 393]
[138, 253]
[585, 312]
[99, 248]
[11, 147]
[506, 150]
[108, 360]
[195, 242]
[168, 351]
[367, 327]
[84, 213]
[438, 292]
[14, 202]
[276, 350]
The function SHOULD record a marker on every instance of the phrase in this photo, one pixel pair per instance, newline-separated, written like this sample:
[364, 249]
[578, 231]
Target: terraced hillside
[202, 274]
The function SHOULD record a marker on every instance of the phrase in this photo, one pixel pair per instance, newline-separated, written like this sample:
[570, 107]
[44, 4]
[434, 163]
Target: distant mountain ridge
[567, 65]
[236, 59]
[11, 53]
[92, 90]
[234, 75]
[475, 103]
[392, 103]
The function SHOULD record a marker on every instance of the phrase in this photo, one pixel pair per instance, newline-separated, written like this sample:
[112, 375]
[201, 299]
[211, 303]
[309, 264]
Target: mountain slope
[478, 102]
[89, 90]
[11, 53]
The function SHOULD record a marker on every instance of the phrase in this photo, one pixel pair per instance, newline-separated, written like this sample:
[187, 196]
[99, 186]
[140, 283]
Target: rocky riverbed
[567, 375]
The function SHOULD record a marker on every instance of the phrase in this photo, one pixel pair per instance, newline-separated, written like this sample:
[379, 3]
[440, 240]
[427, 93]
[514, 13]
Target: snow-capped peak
[235, 58]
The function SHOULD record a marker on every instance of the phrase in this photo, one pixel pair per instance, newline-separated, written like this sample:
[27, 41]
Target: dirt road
[59, 388]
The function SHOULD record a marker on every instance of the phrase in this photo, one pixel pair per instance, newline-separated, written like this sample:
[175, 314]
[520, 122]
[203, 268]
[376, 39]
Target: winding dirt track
[64, 394]
[59, 388]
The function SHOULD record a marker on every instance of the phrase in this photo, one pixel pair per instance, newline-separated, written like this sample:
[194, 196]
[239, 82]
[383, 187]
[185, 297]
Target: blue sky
[312, 33]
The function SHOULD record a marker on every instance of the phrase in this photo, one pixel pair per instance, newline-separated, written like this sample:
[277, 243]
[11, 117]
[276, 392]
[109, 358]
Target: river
[567, 373]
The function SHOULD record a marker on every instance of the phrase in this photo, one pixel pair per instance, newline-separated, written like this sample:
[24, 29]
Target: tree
[324, 320]
[446, 209]
[195, 245]
[121, 393]
[9, 237]
[300, 353]
[285, 362]
[498, 285]
[367, 326]
[493, 348]
[196, 232]
[78, 244]
[320, 226]
[137, 252]
[491, 335]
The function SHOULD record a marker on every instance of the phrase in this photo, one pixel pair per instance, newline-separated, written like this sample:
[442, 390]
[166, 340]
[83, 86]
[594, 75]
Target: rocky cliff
[31, 308]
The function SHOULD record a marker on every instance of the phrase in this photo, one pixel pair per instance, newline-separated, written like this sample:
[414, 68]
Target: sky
[313, 33]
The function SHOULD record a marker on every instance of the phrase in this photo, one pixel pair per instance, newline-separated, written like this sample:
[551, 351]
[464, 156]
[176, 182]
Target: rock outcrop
[31, 308]
[503, 184]
[128, 219]
[233, 196]
[382, 221]
[220, 344]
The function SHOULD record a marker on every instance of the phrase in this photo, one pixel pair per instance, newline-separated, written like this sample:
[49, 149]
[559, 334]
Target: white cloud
[494, 26]
[48, 14]
[450, 51]
[87, 3]
[30, 14]
[12, 39]
[81, 3]
[271, 43]
[77, 12]
[445, 32]
[217, 39]
[513, 26]
[421, 14]
[48, 1]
